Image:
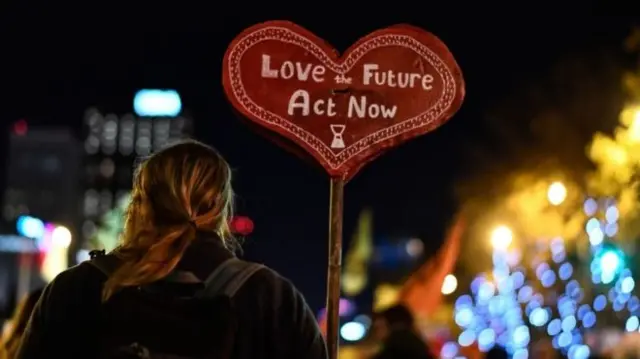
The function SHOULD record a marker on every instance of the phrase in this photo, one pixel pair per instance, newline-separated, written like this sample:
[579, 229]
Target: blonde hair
[18, 324]
[183, 189]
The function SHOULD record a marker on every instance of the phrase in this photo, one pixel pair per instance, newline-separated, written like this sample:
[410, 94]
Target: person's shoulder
[74, 291]
[293, 329]
[267, 277]
[83, 270]
[270, 284]
[80, 276]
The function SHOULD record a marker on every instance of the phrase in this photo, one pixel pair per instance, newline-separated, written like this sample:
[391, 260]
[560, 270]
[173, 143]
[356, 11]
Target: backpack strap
[229, 277]
[226, 280]
[107, 264]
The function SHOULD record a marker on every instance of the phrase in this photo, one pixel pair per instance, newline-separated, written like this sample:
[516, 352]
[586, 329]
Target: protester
[395, 328]
[17, 325]
[153, 296]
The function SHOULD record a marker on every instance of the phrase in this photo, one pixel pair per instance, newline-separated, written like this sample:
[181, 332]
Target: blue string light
[503, 310]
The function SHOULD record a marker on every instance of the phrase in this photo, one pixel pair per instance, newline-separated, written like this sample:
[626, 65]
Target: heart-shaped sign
[389, 87]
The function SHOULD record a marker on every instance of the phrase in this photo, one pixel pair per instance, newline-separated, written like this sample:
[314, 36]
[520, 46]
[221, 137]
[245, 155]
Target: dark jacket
[273, 319]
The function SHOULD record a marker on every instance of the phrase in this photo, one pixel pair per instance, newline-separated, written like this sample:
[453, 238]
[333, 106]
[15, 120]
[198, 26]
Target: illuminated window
[143, 142]
[92, 144]
[51, 164]
[127, 134]
[110, 134]
[107, 168]
[94, 121]
[39, 162]
[161, 133]
[176, 130]
[91, 202]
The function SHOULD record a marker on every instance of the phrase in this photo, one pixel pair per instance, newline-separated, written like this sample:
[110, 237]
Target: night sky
[59, 61]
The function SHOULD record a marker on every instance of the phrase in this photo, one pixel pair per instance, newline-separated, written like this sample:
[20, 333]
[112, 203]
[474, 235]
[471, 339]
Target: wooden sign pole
[335, 265]
[401, 82]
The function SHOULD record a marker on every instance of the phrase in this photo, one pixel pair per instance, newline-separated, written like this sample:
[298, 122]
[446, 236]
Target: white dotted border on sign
[426, 119]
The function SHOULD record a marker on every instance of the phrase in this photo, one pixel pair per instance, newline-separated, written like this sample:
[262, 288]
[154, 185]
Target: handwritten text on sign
[344, 110]
[301, 102]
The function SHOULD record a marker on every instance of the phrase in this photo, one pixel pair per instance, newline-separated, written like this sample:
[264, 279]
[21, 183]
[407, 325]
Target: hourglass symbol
[338, 141]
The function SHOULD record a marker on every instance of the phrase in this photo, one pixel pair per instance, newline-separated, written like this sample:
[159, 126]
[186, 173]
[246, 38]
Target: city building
[42, 182]
[42, 175]
[112, 147]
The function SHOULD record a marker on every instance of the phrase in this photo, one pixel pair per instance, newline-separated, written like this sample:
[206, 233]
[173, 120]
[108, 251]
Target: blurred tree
[578, 126]
[616, 154]
[111, 226]
[533, 136]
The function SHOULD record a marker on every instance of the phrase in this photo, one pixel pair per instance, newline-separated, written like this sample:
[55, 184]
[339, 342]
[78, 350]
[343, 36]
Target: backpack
[143, 323]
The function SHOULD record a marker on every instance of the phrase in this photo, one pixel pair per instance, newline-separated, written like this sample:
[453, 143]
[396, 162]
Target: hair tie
[193, 224]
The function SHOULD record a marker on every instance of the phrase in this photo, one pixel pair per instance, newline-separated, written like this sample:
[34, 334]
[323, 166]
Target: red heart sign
[389, 87]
